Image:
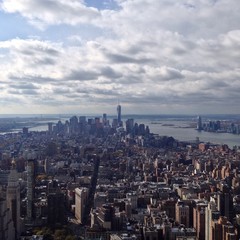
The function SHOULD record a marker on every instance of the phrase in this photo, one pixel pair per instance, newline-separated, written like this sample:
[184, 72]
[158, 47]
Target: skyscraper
[81, 197]
[129, 125]
[104, 119]
[119, 116]
[56, 208]
[182, 213]
[30, 188]
[211, 215]
[7, 230]
[73, 126]
[199, 219]
[199, 123]
[13, 199]
[50, 127]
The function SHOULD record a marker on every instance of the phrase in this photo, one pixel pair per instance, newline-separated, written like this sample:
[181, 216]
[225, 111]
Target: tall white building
[81, 197]
[211, 214]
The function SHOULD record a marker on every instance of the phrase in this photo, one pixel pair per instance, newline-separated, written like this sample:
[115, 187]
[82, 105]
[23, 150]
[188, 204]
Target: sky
[151, 56]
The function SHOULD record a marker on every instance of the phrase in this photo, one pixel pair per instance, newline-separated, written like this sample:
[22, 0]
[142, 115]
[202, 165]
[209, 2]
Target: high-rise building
[141, 129]
[73, 125]
[211, 215]
[199, 219]
[50, 127]
[182, 213]
[129, 125]
[199, 123]
[13, 199]
[222, 229]
[30, 188]
[225, 201]
[25, 130]
[7, 231]
[56, 208]
[81, 197]
[114, 123]
[97, 121]
[82, 119]
[99, 199]
[104, 119]
[106, 216]
[82, 124]
[133, 199]
[119, 115]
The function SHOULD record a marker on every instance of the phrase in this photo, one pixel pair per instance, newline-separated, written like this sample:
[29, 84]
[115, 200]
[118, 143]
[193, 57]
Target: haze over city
[155, 57]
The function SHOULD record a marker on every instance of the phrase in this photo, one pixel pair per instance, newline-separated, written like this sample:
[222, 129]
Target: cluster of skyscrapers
[218, 126]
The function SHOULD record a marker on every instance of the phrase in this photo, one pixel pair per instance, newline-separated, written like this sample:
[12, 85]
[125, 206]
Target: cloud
[158, 54]
[189, 18]
[31, 78]
[82, 75]
[23, 92]
[30, 47]
[29, 92]
[12, 101]
[119, 58]
[110, 73]
[60, 90]
[49, 12]
[163, 73]
[28, 86]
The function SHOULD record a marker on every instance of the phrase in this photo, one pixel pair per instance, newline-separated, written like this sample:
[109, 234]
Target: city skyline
[155, 57]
